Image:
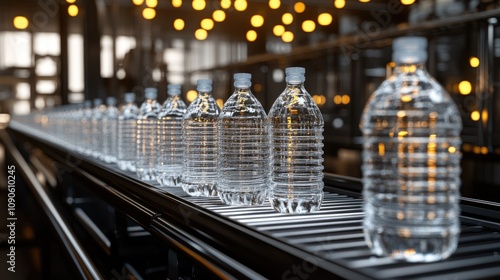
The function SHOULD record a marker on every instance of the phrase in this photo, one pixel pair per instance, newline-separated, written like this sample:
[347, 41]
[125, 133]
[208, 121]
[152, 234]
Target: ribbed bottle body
[127, 143]
[296, 130]
[199, 134]
[146, 137]
[170, 148]
[411, 168]
[110, 135]
[243, 151]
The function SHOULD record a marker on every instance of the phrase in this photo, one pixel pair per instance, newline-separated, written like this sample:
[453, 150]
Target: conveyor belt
[330, 240]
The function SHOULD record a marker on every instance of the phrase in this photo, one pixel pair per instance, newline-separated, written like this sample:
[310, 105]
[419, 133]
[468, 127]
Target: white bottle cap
[174, 90]
[129, 97]
[111, 101]
[295, 74]
[242, 80]
[97, 102]
[204, 85]
[409, 49]
[150, 93]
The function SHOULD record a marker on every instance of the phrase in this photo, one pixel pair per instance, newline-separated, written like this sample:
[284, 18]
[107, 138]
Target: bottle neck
[408, 68]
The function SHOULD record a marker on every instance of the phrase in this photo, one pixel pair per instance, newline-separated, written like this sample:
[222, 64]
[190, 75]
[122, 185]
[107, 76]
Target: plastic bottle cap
[97, 102]
[295, 74]
[150, 93]
[242, 80]
[111, 101]
[129, 97]
[174, 90]
[204, 85]
[409, 49]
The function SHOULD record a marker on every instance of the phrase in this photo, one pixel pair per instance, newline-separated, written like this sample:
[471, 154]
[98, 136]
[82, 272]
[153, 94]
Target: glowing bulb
[73, 10]
[278, 30]
[325, 19]
[407, 2]
[299, 7]
[20, 22]
[240, 5]
[201, 34]
[179, 24]
[191, 94]
[346, 99]
[257, 20]
[475, 115]
[199, 5]
[176, 3]
[474, 61]
[136, 2]
[251, 35]
[287, 18]
[219, 15]
[464, 87]
[308, 26]
[225, 4]
[364, 1]
[71, 1]
[339, 4]
[274, 4]
[148, 13]
[287, 37]
[207, 24]
[151, 3]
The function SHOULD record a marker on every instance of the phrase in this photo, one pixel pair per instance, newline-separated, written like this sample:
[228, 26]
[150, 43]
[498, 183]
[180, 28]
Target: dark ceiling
[127, 18]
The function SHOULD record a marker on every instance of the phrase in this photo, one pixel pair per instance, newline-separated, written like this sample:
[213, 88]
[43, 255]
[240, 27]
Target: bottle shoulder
[242, 104]
[205, 107]
[295, 102]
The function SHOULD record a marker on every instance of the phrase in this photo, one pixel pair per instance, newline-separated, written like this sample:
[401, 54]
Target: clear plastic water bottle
[109, 131]
[146, 136]
[296, 130]
[127, 122]
[86, 131]
[199, 133]
[411, 162]
[243, 150]
[97, 113]
[170, 148]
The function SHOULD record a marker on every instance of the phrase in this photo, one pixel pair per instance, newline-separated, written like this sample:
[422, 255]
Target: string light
[179, 24]
[148, 13]
[201, 34]
[207, 24]
[225, 4]
[325, 19]
[176, 3]
[219, 15]
[287, 36]
[287, 18]
[199, 5]
[20, 22]
[464, 87]
[299, 7]
[73, 10]
[70, 1]
[278, 30]
[136, 2]
[308, 26]
[474, 61]
[274, 4]
[152, 3]
[251, 35]
[475, 116]
[339, 4]
[240, 5]
[191, 95]
[257, 20]
[407, 2]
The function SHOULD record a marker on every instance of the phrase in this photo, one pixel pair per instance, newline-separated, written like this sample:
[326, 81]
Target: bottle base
[166, 180]
[146, 174]
[243, 198]
[199, 189]
[412, 249]
[298, 205]
[109, 159]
